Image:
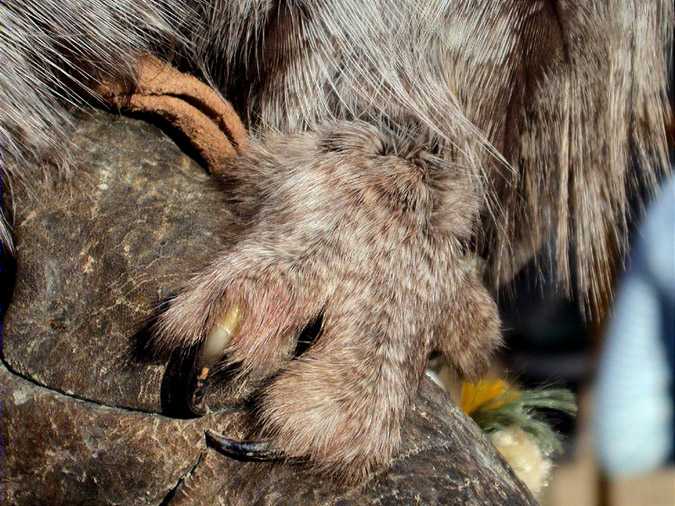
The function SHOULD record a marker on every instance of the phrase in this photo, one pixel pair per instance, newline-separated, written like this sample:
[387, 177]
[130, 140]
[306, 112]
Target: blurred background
[619, 450]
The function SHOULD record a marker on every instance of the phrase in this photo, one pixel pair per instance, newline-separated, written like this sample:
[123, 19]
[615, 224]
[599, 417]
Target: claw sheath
[210, 352]
[215, 343]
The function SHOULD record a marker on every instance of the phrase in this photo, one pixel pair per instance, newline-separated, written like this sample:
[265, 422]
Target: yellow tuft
[486, 394]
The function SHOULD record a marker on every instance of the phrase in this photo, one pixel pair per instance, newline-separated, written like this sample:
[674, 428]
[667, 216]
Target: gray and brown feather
[394, 141]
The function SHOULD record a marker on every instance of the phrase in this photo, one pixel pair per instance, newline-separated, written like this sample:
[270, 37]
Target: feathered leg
[349, 225]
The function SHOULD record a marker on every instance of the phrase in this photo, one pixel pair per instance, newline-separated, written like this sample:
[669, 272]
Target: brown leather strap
[207, 120]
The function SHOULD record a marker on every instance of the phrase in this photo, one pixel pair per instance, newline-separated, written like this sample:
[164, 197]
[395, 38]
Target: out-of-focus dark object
[547, 337]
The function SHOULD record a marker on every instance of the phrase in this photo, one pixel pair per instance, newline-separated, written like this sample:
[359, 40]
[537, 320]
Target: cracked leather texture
[84, 422]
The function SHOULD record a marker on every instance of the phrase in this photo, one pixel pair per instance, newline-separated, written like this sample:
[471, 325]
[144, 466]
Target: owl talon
[252, 451]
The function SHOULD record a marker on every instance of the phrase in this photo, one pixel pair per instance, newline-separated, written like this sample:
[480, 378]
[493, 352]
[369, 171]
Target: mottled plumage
[394, 141]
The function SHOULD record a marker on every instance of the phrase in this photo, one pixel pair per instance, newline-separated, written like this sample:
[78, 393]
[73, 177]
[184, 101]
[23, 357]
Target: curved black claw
[255, 451]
